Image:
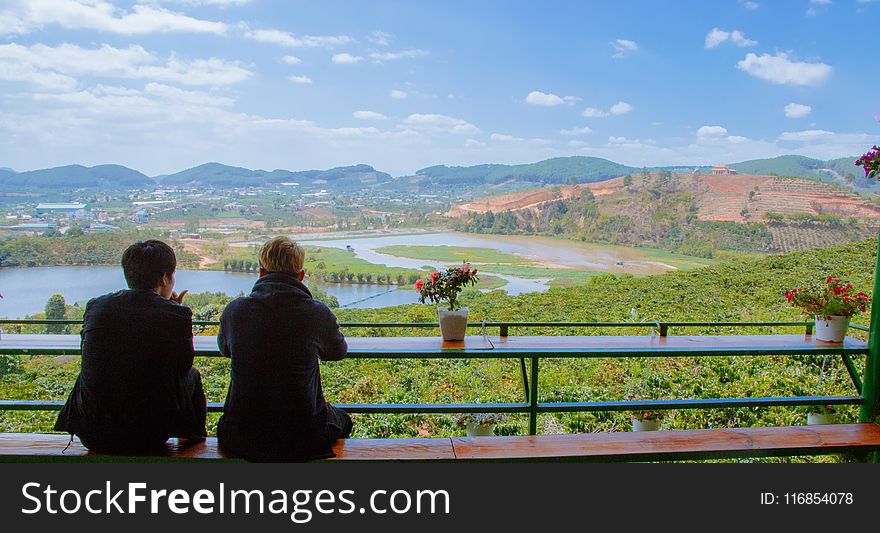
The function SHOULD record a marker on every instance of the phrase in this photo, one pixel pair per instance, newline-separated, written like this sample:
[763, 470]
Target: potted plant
[832, 303]
[821, 414]
[445, 287]
[646, 420]
[479, 424]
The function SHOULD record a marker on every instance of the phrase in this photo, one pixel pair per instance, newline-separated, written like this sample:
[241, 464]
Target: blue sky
[164, 85]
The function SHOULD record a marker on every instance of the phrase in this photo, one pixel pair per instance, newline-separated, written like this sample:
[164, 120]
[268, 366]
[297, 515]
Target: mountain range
[558, 170]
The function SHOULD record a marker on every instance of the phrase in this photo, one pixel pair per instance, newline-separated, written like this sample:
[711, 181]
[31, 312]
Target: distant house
[32, 227]
[722, 169]
[63, 209]
[101, 228]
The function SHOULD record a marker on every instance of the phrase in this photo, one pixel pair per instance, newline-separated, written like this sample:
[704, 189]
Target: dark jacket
[136, 349]
[275, 408]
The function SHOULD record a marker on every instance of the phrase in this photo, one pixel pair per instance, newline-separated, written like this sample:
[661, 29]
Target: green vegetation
[733, 291]
[81, 249]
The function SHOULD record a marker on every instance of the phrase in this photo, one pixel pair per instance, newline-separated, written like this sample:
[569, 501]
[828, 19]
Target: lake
[26, 290]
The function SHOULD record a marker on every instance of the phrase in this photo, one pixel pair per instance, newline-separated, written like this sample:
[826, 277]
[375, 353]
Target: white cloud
[594, 112]
[623, 47]
[718, 36]
[398, 95]
[805, 135]
[287, 39]
[473, 143]
[781, 70]
[748, 4]
[369, 115]
[794, 110]
[301, 80]
[133, 62]
[714, 132]
[440, 123]
[500, 137]
[820, 2]
[291, 60]
[167, 92]
[345, 59]
[620, 108]
[379, 57]
[549, 99]
[25, 16]
[216, 3]
[576, 131]
[380, 37]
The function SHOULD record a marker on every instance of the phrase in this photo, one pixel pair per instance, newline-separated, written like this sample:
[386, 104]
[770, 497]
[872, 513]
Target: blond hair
[282, 255]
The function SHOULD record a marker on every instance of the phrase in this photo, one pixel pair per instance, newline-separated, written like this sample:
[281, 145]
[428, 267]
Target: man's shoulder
[146, 300]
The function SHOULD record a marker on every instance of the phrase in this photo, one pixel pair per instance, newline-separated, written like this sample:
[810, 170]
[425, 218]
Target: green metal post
[533, 401]
[871, 379]
[525, 377]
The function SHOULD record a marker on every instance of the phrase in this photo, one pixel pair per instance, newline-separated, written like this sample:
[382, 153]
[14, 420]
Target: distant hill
[76, 177]
[219, 175]
[686, 213]
[478, 179]
[556, 170]
[841, 171]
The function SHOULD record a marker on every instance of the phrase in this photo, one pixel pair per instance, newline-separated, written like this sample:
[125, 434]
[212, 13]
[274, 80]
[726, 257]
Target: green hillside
[219, 175]
[77, 177]
[842, 170]
[556, 170]
[733, 291]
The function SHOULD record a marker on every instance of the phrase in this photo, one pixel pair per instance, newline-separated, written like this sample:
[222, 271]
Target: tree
[75, 230]
[56, 310]
[627, 180]
[191, 224]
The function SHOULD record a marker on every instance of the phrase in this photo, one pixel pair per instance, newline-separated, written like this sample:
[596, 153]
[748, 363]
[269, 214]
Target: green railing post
[871, 379]
[533, 400]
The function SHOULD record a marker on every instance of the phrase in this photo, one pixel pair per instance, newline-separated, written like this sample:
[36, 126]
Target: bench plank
[53, 446]
[600, 447]
[675, 445]
[393, 450]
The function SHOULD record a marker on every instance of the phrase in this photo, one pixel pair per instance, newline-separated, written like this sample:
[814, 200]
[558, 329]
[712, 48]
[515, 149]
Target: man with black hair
[137, 386]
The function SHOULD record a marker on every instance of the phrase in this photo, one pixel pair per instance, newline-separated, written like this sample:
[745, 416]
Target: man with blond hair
[275, 408]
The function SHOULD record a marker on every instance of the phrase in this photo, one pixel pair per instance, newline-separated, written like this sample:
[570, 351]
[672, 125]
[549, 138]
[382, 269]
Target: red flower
[420, 284]
[466, 267]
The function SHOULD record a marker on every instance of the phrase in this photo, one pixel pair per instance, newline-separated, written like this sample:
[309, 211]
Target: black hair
[145, 263]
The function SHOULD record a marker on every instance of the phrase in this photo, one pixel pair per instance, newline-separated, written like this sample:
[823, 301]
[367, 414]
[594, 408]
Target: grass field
[454, 254]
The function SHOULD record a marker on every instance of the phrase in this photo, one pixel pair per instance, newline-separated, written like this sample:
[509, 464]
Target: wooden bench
[593, 447]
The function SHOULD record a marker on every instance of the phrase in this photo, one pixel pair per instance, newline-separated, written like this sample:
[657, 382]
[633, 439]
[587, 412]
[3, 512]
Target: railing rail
[531, 405]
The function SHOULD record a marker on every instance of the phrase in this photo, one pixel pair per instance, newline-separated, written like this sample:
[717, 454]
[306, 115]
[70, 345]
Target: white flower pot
[480, 430]
[833, 330]
[453, 324]
[819, 419]
[645, 425]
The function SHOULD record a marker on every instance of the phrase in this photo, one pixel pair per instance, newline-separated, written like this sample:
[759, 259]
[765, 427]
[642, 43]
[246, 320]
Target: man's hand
[178, 297]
